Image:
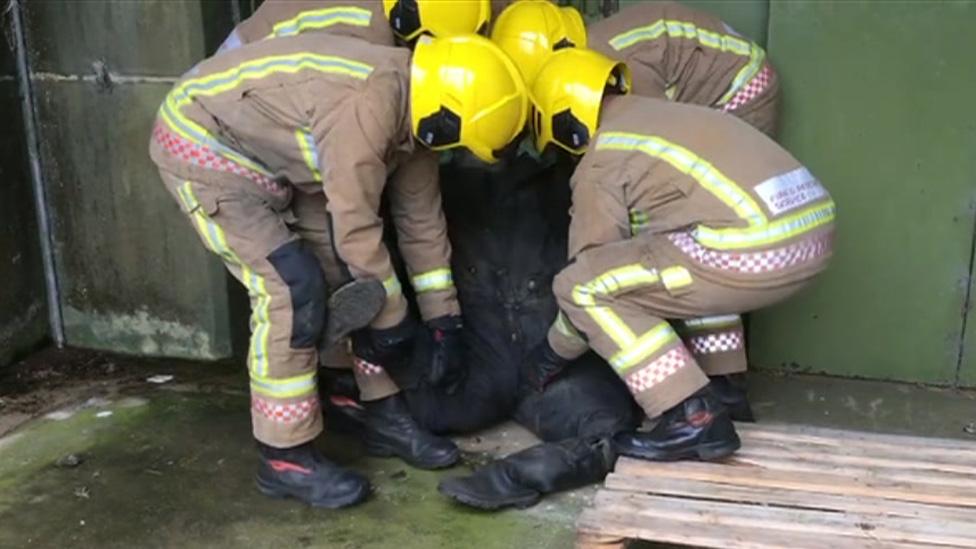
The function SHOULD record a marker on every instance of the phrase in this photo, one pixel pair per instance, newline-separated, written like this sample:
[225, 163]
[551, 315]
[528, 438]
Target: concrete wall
[133, 274]
[23, 314]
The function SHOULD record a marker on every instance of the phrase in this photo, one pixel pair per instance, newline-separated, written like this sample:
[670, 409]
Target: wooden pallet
[795, 487]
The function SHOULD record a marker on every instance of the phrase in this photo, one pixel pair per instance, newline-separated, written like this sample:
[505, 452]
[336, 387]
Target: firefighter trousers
[280, 248]
[619, 299]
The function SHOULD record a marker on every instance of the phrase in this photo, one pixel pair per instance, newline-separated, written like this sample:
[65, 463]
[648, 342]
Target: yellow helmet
[530, 30]
[411, 18]
[567, 94]
[465, 92]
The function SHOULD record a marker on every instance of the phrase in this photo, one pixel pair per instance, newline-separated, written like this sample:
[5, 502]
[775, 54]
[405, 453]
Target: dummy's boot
[340, 398]
[303, 474]
[351, 307]
[521, 479]
[699, 427]
[392, 431]
[731, 390]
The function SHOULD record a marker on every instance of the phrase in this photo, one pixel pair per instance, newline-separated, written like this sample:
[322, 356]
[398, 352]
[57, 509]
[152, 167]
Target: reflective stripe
[322, 18]
[777, 231]
[650, 343]
[760, 231]
[216, 240]
[433, 281]
[638, 221]
[306, 143]
[283, 388]
[675, 277]
[566, 328]
[392, 286]
[609, 283]
[757, 56]
[690, 164]
[728, 43]
[712, 322]
[680, 29]
[184, 93]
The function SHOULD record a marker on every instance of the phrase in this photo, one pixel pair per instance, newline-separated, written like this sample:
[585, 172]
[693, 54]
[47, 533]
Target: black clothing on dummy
[508, 228]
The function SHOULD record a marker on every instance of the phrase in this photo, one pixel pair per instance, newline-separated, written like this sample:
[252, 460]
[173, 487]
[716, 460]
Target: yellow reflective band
[208, 86]
[759, 232]
[609, 283]
[680, 29]
[651, 342]
[771, 233]
[757, 56]
[638, 221]
[284, 388]
[216, 241]
[323, 18]
[670, 92]
[711, 322]
[687, 162]
[432, 281]
[306, 144]
[392, 286]
[564, 327]
[675, 277]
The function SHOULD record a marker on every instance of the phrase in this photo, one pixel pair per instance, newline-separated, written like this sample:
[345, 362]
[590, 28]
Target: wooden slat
[699, 534]
[762, 519]
[874, 472]
[916, 446]
[903, 459]
[784, 498]
[826, 483]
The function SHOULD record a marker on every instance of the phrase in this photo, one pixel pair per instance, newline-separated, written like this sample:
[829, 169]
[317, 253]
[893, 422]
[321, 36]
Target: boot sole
[351, 307]
[712, 451]
[383, 451]
[346, 501]
[465, 499]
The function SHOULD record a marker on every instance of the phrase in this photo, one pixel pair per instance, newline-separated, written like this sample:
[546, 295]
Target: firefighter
[278, 152]
[381, 23]
[674, 52]
[678, 212]
[387, 23]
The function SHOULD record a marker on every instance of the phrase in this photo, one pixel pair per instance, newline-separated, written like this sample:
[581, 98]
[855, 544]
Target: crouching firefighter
[278, 152]
[678, 212]
[387, 23]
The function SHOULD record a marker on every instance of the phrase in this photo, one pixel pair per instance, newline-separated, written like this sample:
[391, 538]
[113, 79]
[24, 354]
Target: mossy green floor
[172, 468]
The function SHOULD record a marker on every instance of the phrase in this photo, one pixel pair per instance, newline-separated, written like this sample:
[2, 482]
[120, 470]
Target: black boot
[302, 473]
[351, 307]
[340, 398]
[731, 390]
[392, 431]
[521, 479]
[699, 427]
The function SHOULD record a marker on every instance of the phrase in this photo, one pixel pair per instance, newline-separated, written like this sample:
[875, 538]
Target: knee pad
[300, 270]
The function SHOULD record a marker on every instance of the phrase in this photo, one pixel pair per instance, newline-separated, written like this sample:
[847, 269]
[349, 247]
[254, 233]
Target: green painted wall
[23, 312]
[878, 103]
[133, 274]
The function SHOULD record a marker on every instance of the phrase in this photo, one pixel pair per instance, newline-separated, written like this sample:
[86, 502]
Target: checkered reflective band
[753, 89]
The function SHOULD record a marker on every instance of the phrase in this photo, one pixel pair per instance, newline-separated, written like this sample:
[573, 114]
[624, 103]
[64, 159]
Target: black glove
[390, 348]
[447, 366]
[541, 367]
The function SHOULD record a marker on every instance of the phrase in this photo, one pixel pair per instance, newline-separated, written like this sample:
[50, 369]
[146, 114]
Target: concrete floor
[170, 465]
